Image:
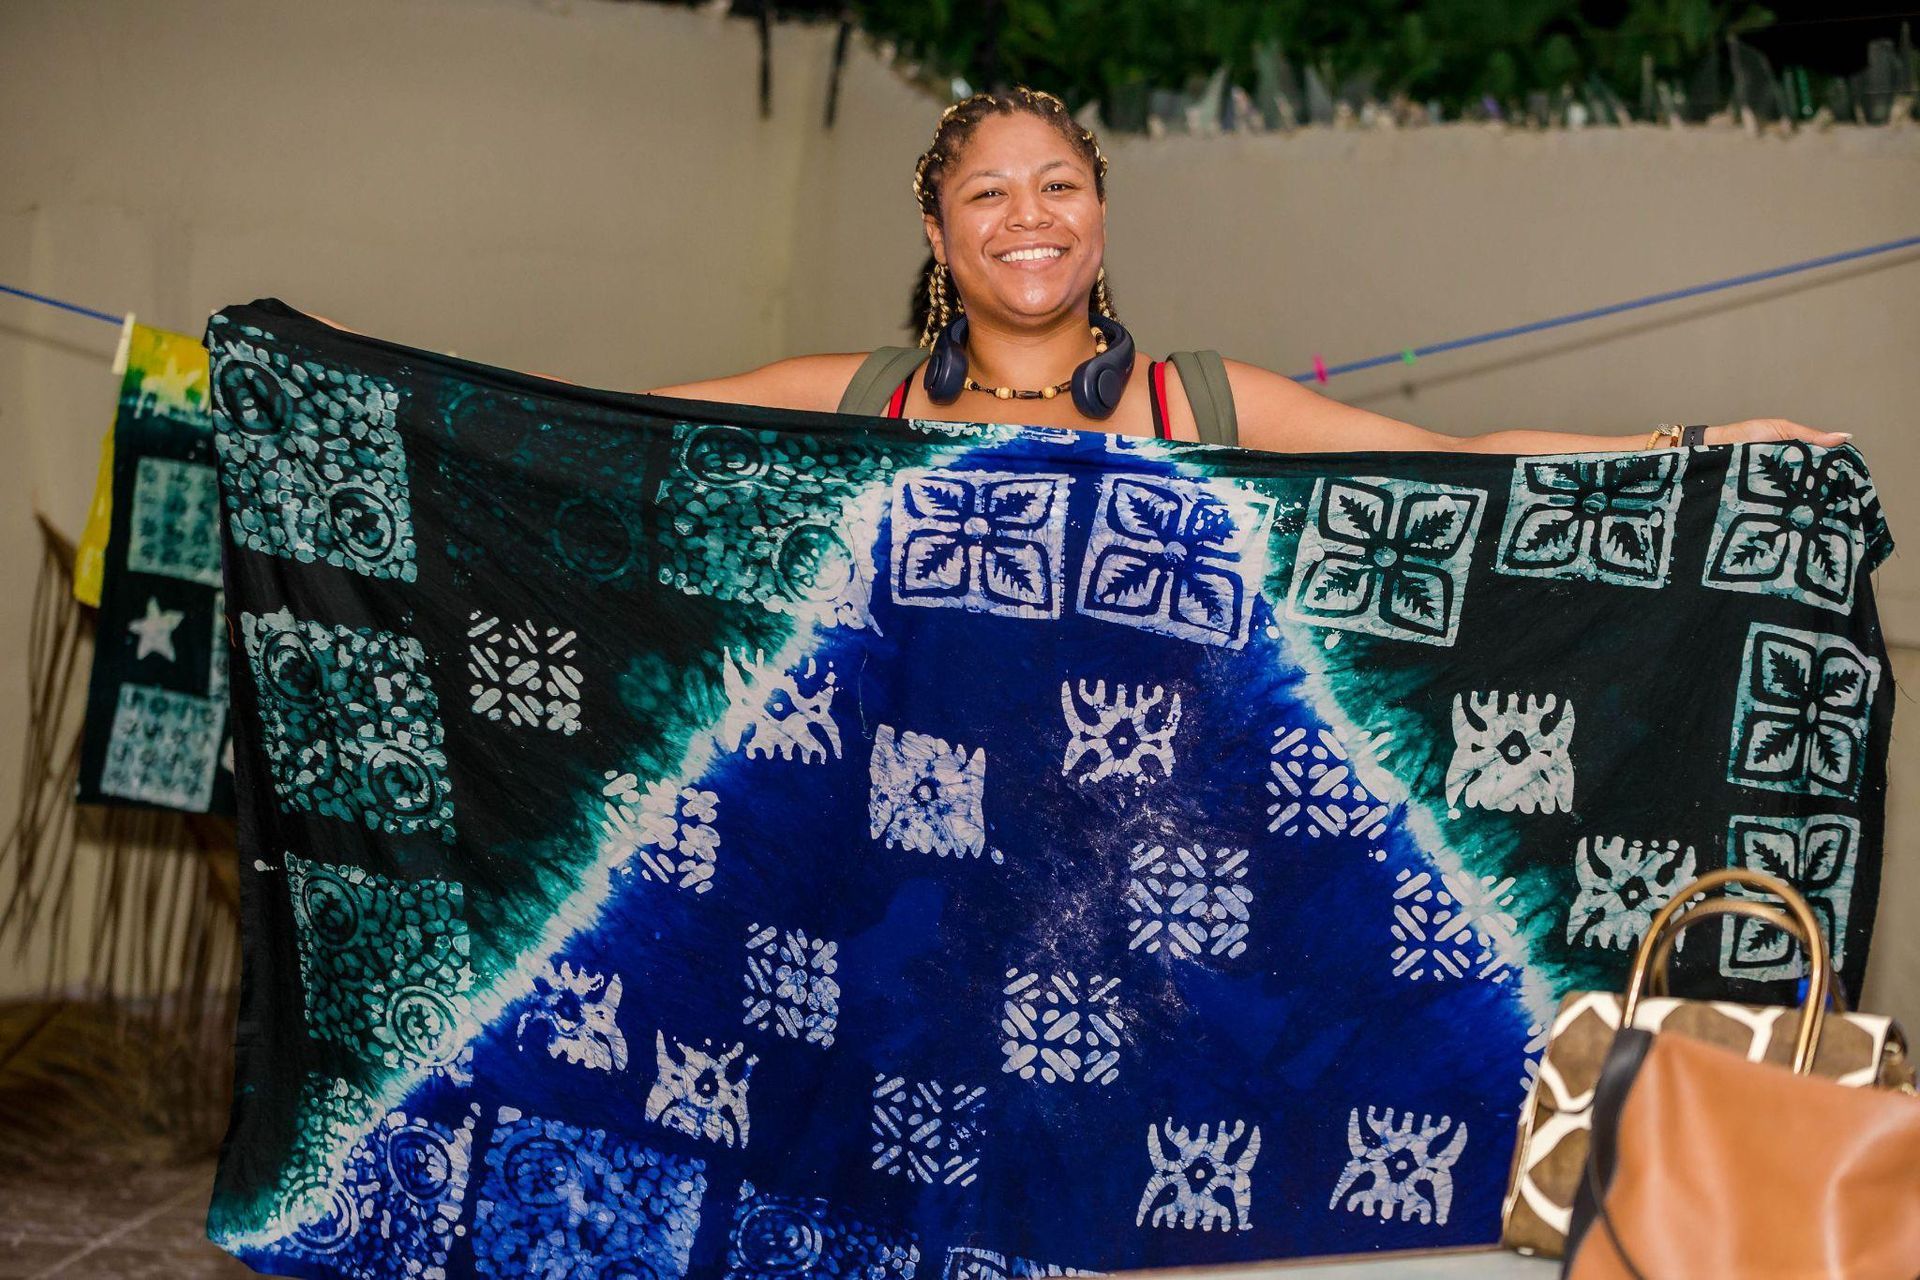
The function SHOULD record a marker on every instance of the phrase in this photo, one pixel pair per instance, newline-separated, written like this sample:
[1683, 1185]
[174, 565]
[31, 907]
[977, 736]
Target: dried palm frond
[127, 922]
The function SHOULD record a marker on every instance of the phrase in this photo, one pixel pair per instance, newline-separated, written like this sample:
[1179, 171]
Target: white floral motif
[790, 984]
[669, 833]
[925, 1131]
[1622, 884]
[988, 541]
[1177, 557]
[1400, 1167]
[1606, 519]
[1802, 715]
[1453, 926]
[1189, 900]
[577, 1009]
[1790, 523]
[927, 795]
[768, 715]
[1314, 786]
[523, 672]
[701, 1093]
[1387, 557]
[1210, 1182]
[1816, 854]
[1061, 1030]
[1512, 752]
[1129, 734]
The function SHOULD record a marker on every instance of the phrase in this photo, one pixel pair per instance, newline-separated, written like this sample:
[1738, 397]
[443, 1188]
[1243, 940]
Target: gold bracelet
[1671, 430]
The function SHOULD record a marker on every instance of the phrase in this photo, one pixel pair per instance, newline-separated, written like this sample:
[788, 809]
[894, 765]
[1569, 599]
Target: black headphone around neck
[1098, 383]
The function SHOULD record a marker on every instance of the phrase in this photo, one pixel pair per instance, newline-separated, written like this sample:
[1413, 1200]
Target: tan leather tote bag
[1705, 1163]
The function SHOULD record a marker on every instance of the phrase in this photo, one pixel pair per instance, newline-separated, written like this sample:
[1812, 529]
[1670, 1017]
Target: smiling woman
[1017, 323]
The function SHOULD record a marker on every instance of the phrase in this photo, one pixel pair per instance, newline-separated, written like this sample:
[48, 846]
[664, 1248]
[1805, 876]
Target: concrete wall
[587, 190]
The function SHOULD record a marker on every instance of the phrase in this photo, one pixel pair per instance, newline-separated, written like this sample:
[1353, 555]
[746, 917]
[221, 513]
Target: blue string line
[1652, 299]
[1400, 356]
[55, 302]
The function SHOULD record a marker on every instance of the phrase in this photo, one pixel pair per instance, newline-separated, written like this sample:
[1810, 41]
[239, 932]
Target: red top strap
[1157, 385]
[897, 405]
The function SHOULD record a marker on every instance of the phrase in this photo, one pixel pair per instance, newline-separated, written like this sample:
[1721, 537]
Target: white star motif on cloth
[156, 630]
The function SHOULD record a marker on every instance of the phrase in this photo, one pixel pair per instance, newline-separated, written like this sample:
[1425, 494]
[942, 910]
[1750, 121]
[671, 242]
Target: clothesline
[1322, 371]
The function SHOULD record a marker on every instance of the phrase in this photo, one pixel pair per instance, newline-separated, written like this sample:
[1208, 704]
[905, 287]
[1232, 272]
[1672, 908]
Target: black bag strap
[1204, 375]
[1625, 1056]
[874, 381]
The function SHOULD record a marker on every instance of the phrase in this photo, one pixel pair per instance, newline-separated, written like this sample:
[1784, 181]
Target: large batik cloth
[687, 839]
[156, 724]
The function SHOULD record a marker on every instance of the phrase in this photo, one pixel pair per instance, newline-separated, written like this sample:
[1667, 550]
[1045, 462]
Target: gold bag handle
[1798, 921]
[1663, 951]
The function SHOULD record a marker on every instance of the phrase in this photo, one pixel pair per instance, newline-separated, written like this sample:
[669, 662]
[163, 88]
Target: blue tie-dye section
[900, 987]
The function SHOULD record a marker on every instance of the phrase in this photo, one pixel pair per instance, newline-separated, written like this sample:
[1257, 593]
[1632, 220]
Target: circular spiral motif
[725, 456]
[253, 397]
[618, 1268]
[291, 672]
[420, 1163]
[337, 1222]
[779, 1241]
[423, 1023]
[538, 1171]
[594, 538]
[332, 909]
[814, 562]
[361, 521]
[401, 781]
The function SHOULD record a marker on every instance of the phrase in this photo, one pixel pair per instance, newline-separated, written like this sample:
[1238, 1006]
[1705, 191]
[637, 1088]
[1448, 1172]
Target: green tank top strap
[1204, 375]
[874, 381]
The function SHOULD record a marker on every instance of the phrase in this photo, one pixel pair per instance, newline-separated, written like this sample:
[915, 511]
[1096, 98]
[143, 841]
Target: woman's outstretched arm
[798, 382]
[1277, 413]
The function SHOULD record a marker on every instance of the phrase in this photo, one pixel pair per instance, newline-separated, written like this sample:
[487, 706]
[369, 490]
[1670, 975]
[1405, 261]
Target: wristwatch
[1677, 436]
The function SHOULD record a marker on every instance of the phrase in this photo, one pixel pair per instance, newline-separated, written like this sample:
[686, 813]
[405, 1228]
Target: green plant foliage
[1276, 63]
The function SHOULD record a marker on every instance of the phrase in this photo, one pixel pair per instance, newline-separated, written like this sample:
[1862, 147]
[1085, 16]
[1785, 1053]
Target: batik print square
[770, 517]
[1601, 519]
[315, 467]
[1816, 855]
[1058, 1028]
[1790, 524]
[390, 1211]
[1177, 557]
[927, 795]
[175, 529]
[352, 724]
[524, 673]
[777, 1237]
[163, 748]
[926, 1131]
[563, 1200]
[988, 541]
[1189, 900]
[791, 988]
[383, 963]
[1801, 715]
[1386, 557]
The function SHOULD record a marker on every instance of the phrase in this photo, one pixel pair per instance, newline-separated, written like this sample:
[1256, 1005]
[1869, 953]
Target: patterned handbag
[1857, 1049]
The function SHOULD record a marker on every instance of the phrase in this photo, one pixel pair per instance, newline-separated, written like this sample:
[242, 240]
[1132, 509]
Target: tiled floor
[113, 1224]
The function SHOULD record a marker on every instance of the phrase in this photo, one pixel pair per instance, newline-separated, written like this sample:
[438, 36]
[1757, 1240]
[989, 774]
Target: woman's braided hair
[950, 137]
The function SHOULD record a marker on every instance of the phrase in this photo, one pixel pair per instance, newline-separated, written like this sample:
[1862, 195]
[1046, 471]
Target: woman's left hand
[1763, 430]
